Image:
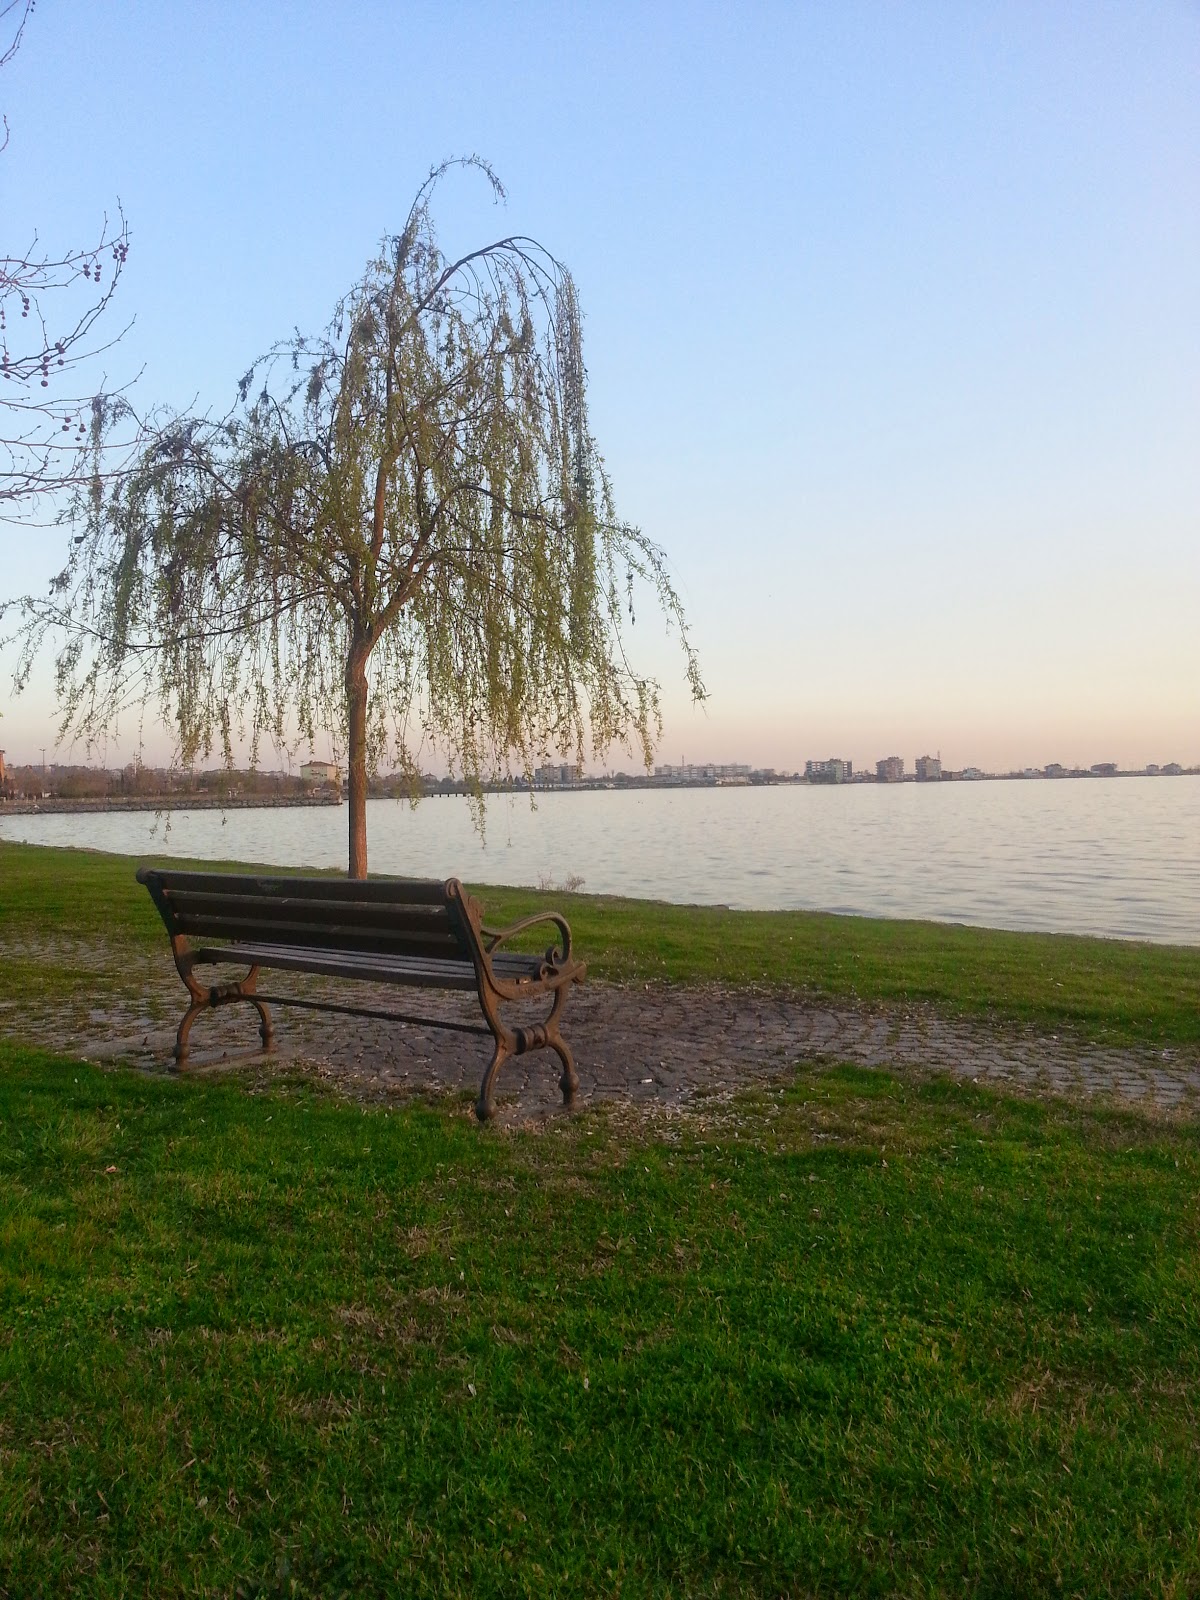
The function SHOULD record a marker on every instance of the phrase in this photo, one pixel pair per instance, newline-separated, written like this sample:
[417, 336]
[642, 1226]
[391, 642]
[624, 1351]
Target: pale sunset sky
[893, 317]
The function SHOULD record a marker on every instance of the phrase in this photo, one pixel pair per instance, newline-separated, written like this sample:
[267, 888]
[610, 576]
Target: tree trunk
[356, 706]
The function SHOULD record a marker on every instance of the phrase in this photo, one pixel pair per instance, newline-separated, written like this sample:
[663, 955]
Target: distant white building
[929, 769]
[321, 772]
[702, 772]
[835, 770]
[889, 770]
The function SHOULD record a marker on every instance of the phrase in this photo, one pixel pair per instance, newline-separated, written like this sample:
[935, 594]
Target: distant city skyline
[923, 768]
[890, 321]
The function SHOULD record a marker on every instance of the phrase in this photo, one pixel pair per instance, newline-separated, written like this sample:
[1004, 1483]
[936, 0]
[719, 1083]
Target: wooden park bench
[386, 931]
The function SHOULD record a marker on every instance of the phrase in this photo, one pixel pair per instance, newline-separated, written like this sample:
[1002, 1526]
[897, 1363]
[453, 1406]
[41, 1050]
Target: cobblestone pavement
[658, 1044]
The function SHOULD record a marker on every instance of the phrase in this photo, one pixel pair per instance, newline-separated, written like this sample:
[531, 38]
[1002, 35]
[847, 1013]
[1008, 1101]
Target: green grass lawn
[1113, 990]
[866, 1337]
[861, 1335]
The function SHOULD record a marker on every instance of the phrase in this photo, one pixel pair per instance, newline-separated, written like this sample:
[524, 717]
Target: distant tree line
[98, 783]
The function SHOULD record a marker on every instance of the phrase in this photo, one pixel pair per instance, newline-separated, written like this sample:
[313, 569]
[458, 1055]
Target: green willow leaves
[404, 533]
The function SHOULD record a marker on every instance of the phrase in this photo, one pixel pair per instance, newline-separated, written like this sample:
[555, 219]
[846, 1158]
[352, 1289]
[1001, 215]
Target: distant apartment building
[835, 770]
[972, 773]
[320, 772]
[889, 770]
[701, 772]
[1172, 770]
[1104, 769]
[1055, 769]
[929, 769]
[557, 773]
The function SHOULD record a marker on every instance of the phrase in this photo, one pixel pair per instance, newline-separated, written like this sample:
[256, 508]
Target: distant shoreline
[99, 804]
[83, 806]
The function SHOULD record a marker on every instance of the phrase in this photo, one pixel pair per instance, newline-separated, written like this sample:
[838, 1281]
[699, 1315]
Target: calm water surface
[1119, 857]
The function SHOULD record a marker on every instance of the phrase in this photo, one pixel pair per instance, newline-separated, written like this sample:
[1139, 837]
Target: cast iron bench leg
[223, 994]
[505, 1047]
[185, 1027]
[569, 1082]
[519, 1042]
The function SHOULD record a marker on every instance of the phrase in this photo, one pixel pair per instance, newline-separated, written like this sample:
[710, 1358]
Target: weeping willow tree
[403, 534]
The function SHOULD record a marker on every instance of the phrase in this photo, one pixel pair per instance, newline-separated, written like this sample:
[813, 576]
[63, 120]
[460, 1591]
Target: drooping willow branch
[404, 529]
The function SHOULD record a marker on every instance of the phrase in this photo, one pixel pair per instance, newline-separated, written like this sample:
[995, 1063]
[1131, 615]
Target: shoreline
[97, 805]
[54, 806]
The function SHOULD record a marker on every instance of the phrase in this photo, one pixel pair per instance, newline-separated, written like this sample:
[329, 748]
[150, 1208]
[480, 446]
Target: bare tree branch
[50, 304]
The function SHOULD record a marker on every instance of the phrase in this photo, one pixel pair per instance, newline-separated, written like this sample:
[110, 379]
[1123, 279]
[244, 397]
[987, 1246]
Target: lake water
[1119, 857]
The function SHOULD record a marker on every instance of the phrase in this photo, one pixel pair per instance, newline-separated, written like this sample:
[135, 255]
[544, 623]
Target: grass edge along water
[1111, 991]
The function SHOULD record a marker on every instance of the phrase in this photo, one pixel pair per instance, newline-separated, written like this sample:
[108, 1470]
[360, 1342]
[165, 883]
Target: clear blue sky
[892, 315]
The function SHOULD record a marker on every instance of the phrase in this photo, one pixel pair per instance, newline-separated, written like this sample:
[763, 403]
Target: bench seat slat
[199, 906]
[370, 891]
[415, 970]
[420, 971]
[329, 934]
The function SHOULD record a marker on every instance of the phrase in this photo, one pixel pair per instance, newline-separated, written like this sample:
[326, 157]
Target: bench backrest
[383, 916]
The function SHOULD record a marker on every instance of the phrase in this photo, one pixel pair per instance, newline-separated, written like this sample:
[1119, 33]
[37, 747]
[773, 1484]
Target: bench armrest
[494, 937]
